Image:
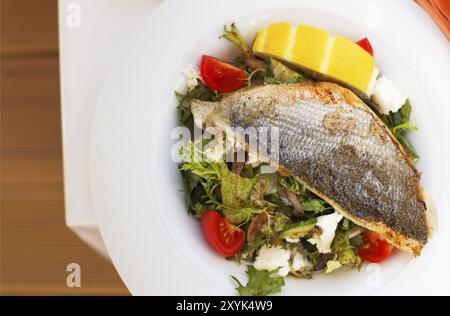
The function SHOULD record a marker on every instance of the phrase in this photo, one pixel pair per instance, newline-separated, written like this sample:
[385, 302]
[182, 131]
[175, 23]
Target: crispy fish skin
[341, 151]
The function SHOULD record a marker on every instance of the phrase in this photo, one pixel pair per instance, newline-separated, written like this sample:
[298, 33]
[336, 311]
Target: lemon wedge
[319, 54]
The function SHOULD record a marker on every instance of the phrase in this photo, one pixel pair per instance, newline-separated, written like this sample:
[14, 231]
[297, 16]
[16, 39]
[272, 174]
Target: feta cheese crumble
[273, 258]
[300, 262]
[328, 224]
[192, 74]
[386, 96]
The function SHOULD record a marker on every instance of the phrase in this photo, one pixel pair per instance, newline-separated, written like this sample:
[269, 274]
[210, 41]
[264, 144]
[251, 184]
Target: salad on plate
[301, 164]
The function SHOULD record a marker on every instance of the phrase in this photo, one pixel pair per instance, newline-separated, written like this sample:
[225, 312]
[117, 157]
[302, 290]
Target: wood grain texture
[36, 246]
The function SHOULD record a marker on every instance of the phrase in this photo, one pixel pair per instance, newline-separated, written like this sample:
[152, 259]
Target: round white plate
[156, 247]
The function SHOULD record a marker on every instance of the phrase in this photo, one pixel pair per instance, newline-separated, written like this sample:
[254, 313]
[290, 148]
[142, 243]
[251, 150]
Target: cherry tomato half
[223, 237]
[365, 44]
[374, 248]
[222, 76]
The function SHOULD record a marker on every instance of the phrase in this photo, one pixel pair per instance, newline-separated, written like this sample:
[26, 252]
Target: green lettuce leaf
[333, 265]
[236, 192]
[250, 249]
[309, 201]
[400, 125]
[200, 92]
[260, 283]
[345, 252]
[314, 205]
[235, 189]
[292, 184]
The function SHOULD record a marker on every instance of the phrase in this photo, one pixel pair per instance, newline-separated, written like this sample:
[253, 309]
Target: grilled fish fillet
[340, 150]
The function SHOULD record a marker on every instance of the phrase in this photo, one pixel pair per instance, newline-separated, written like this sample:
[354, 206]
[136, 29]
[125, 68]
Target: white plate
[155, 246]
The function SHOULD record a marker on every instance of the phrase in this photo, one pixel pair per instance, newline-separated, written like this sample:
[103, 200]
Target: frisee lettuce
[201, 178]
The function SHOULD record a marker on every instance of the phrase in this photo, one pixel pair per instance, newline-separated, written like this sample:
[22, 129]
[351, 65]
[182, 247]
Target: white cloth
[92, 35]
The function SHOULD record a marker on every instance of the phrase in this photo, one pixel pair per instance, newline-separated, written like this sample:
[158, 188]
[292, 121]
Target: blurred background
[36, 245]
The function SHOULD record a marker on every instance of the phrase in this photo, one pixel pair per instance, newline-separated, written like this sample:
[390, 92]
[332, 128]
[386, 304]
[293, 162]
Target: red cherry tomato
[374, 248]
[223, 237]
[365, 44]
[221, 76]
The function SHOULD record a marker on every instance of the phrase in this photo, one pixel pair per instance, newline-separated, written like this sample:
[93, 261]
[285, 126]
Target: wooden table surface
[36, 246]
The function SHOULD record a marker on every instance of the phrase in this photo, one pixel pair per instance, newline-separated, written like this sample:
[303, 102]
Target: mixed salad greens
[270, 222]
